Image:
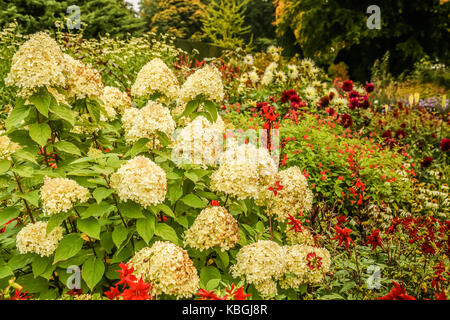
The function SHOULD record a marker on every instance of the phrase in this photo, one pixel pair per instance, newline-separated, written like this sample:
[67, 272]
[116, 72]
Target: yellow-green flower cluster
[140, 180]
[206, 81]
[154, 77]
[261, 264]
[38, 62]
[213, 227]
[168, 268]
[145, 122]
[33, 238]
[60, 194]
[243, 171]
[294, 197]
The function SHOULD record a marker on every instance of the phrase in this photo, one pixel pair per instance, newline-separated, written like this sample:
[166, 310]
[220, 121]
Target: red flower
[138, 291]
[277, 188]
[314, 261]
[343, 235]
[287, 95]
[353, 94]
[387, 134]
[426, 162]
[74, 292]
[346, 121]
[400, 134]
[215, 203]
[284, 160]
[347, 85]
[126, 274]
[238, 294]
[341, 220]
[208, 295]
[445, 144]
[441, 296]
[296, 224]
[370, 87]
[374, 239]
[113, 293]
[19, 295]
[397, 293]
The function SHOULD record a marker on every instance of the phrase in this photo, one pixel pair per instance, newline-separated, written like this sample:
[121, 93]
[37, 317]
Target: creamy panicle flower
[200, 142]
[213, 227]
[60, 195]
[140, 180]
[303, 237]
[115, 100]
[168, 268]
[33, 238]
[7, 147]
[82, 81]
[295, 196]
[304, 264]
[38, 62]
[261, 264]
[145, 122]
[154, 77]
[243, 171]
[206, 81]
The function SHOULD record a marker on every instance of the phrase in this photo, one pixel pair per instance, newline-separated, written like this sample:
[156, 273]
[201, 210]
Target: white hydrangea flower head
[213, 227]
[303, 237]
[7, 147]
[60, 195]
[206, 81]
[38, 62]
[145, 122]
[168, 268]
[243, 171]
[140, 180]
[33, 238]
[304, 264]
[261, 264]
[293, 198]
[81, 80]
[155, 77]
[115, 100]
[200, 142]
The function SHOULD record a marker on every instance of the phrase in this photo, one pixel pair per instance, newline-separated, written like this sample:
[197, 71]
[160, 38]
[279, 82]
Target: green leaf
[92, 271]
[19, 261]
[94, 109]
[166, 210]
[106, 241]
[18, 114]
[64, 112]
[5, 271]
[167, 233]
[56, 220]
[212, 284]
[41, 100]
[163, 138]
[223, 257]
[4, 166]
[40, 264]
[97, 210]
[101, 193]
[25, 155]
[131, 210]
[138, 147]
[89, 226]
[191, 176]
[146, 228]
[32, 197]
[40, 132]
[209, 273]
[212, 110]
[31, 284]
[175, 192]
[67, 147]
[69, 246]
[119, 235]
[8, 214]
[193, 201]
[191, 106]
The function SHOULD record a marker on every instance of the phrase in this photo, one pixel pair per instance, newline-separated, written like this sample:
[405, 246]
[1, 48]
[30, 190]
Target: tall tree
[336, 30]
[182, 18]
[224, 23]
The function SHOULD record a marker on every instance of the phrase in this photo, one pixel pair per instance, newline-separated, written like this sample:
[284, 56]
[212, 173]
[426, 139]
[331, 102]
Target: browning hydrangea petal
[213, 227]
[33, 238]
[168, 268]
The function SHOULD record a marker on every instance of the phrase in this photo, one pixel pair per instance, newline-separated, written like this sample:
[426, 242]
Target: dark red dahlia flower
[346, 120]
[370, 87]
[445, 144]
[347, 85]
[426, 162]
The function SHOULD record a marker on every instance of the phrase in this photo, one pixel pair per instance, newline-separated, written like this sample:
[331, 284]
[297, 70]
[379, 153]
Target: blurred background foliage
[332, 32]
